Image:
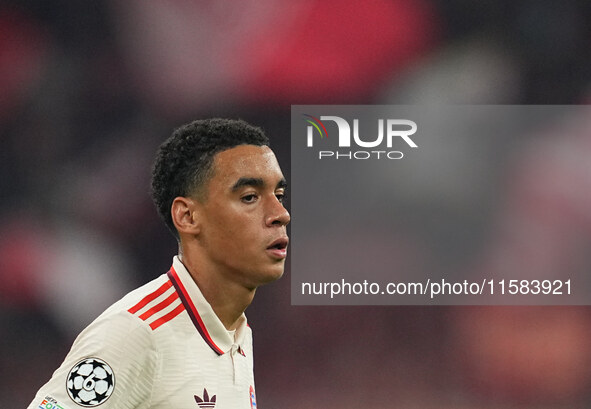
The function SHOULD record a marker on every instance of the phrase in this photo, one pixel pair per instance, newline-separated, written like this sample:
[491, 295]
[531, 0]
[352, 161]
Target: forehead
[246, 161]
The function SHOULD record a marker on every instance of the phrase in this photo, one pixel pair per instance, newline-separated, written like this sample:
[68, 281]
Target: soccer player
[182, 340]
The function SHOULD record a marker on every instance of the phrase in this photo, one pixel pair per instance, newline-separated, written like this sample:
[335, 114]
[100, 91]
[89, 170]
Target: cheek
[233, 228]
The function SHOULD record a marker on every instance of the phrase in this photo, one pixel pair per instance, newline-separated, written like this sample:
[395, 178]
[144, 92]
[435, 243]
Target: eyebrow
[282, 184]
[256, 182]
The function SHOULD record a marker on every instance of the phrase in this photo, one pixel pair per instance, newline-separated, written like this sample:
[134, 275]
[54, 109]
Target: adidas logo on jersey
[206, 402]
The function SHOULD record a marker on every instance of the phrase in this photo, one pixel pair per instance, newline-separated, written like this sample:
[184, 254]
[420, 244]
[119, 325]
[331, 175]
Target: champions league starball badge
[90, 382]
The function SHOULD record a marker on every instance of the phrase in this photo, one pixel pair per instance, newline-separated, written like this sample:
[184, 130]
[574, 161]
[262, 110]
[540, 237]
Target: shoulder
[119, 346]
[119, 329]
[141, 296]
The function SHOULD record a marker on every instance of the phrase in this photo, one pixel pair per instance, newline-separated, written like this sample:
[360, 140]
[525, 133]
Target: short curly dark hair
[184, 161]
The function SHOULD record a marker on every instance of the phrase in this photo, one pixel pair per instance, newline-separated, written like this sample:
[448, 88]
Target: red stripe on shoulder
[165, 318]
[160, 306]
[150, 297]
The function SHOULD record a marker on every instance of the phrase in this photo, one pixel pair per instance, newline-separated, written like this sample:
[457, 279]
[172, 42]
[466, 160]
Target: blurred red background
[89, 90]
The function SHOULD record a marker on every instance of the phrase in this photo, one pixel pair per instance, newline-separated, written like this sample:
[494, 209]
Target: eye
[250, 198]
[280, 197]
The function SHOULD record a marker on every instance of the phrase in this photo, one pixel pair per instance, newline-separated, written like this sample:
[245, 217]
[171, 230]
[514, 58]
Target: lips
[278, 248]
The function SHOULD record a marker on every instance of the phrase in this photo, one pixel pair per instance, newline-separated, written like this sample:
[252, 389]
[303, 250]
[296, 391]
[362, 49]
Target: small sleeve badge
[90, 382]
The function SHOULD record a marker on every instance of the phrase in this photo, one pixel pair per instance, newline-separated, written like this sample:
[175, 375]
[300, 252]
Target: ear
[185, 216]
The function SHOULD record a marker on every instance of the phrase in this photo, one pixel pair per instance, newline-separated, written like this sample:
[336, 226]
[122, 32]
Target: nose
[277, 214]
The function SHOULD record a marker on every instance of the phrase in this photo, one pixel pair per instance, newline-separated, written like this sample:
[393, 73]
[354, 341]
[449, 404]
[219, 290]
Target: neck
[228, 299]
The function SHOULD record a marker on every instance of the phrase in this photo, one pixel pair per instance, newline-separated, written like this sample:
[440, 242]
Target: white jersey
[161, 346]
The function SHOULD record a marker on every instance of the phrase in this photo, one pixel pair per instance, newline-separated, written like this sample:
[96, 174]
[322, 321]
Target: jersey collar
[207, 323]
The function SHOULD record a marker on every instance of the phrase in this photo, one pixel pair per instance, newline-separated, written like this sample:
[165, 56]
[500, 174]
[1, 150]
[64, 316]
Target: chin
[272, 274]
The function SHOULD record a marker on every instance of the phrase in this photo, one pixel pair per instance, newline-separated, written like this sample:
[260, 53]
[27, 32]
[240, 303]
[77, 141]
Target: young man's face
[243, 221]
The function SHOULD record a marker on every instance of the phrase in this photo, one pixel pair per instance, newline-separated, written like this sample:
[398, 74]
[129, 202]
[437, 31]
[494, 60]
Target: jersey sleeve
[112, 364]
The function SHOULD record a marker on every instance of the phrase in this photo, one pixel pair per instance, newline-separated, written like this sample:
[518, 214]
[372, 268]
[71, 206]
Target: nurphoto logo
[389, 130]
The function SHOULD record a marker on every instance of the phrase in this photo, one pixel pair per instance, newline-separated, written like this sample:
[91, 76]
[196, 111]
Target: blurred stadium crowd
[90, 89]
